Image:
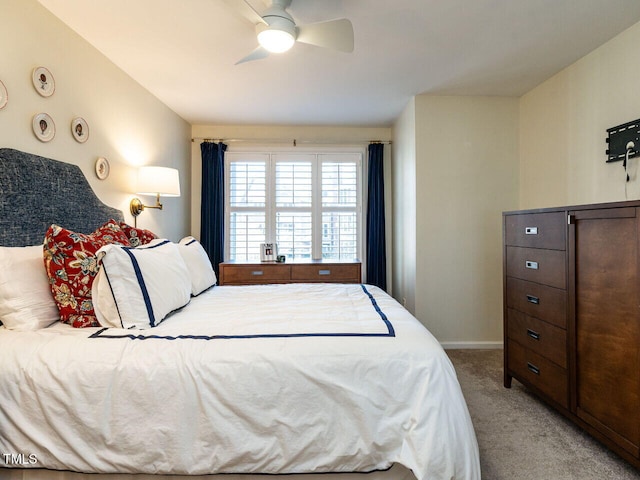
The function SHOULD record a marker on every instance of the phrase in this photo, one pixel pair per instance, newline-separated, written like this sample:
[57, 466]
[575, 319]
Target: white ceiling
[184, 51]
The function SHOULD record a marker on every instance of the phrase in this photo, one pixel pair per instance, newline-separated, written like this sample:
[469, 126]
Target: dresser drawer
[539, 301]
[538, 336]
[535, 370]
[536, 265]
[248, 274]
[341, 273]
[537, 230]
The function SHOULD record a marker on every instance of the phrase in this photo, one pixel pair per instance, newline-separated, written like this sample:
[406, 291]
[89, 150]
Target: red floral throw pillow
[137, 236]
[71, 264]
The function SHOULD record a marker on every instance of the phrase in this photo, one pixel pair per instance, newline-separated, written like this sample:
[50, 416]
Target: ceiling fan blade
[262, 4]
[258, 54]
[244, 8]
[335, 34]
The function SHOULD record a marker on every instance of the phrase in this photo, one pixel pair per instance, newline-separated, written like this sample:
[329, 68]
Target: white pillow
[198, 264]
[139, 287]
[25, 296]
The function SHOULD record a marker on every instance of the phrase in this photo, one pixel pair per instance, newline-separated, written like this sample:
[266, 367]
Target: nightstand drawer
[540, 301]
[536, 265]
[344, 273]
[537, 230]
[535, 370]
[295, 272]
[247, 274]
[538, 336]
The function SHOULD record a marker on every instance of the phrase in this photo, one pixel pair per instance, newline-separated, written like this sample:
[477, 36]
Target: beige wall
[466, 174]
[127, 124]
[476, 157]
[404, 207]
[563, 125]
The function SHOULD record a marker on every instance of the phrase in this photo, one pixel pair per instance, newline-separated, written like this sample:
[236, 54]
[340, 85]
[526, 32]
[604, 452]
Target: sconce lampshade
[158, 181]
[161, 181]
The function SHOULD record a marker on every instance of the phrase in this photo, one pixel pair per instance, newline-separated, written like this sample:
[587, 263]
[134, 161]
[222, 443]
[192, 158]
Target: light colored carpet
[520, 438]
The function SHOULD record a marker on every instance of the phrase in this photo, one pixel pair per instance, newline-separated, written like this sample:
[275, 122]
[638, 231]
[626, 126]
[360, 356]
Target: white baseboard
[472, 345]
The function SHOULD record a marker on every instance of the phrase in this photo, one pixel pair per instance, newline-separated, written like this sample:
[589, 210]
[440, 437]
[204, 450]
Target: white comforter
[270, 379]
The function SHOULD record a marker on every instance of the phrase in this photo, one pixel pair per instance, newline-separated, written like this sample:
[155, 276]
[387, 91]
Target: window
[339, 209]
[247, 201]
[308, 203]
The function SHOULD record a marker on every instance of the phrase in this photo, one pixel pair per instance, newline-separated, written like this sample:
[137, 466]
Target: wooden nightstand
[312, 271]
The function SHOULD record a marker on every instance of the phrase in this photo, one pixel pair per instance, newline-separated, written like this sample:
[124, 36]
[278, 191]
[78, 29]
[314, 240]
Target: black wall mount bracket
[618, 139]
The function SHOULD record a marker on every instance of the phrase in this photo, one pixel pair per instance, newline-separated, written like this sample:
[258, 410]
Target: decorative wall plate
[80, 129]
[43, 127]
[43, 81]
[102, 168]
[4, 96]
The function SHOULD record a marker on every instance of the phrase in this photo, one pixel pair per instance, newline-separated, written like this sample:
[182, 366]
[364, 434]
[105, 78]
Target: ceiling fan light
[276, 40]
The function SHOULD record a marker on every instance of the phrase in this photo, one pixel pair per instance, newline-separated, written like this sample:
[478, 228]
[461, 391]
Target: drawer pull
[531, 230]
[532, 299]
[532, 334]
[531, 265]
[257, 272]
[324, 272]
[533, 369]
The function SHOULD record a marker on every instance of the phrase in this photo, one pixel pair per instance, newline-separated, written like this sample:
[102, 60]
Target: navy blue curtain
[376, 244]
[212, 204]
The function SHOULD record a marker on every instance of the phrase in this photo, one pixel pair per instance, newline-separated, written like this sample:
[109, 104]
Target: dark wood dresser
[237, 273]
[572, 315]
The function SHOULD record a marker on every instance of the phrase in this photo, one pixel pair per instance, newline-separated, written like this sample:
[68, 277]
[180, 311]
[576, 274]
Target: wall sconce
[158, 181]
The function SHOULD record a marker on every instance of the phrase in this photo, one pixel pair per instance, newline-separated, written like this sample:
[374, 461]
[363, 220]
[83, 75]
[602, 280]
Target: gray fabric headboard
[37, 191]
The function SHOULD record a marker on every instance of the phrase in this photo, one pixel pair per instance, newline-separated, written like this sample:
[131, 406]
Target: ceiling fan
[277, 30]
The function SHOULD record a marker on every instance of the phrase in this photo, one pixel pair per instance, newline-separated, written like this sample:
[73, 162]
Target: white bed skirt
[397, 472]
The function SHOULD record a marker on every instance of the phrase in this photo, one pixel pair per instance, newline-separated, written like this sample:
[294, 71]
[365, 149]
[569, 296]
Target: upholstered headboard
[37, 191]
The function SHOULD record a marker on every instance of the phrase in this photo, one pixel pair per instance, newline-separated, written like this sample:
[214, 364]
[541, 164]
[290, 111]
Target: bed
[273, 379]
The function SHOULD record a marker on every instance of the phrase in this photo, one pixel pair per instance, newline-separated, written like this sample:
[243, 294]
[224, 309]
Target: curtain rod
[294, 142]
